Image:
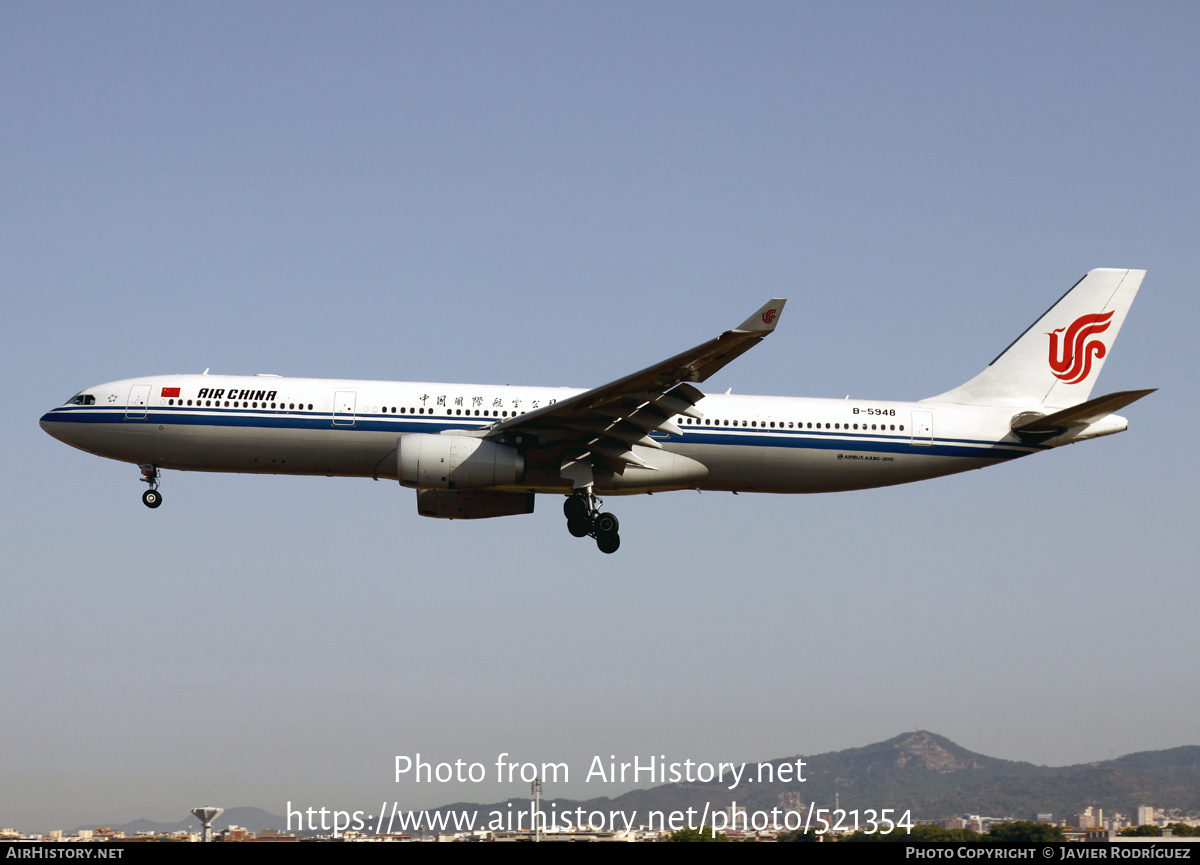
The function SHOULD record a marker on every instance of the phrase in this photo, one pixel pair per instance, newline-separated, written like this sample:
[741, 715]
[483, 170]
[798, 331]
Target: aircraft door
[135, 407]
[343, 408]
[922, 428]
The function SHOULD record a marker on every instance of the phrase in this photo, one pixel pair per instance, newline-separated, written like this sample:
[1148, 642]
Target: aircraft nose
[49, 424]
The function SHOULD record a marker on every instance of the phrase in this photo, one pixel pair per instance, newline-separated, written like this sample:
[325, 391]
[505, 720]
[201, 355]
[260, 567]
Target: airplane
[480, 451]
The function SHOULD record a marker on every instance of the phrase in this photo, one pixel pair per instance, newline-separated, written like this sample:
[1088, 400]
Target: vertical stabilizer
[1058, 358]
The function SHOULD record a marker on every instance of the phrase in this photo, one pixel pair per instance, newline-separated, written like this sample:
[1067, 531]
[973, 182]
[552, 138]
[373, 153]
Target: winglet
[765, 319]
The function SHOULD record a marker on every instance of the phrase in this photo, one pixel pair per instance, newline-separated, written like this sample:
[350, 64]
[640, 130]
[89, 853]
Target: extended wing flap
[618, 430]
[669, 403]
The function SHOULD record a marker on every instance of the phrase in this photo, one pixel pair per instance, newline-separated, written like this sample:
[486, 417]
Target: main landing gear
[582, 510]
[151, 498]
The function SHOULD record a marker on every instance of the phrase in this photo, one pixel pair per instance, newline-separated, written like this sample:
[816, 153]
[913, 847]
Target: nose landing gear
[582, 510]
[151, 498]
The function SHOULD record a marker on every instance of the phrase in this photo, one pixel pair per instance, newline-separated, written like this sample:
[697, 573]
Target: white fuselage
[275, 425]
[474, 451]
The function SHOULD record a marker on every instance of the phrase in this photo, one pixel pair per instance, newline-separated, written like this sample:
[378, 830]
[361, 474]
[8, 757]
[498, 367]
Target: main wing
[600, 427]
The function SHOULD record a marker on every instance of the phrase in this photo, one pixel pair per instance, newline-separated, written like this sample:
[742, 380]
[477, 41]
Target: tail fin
[1058, 358]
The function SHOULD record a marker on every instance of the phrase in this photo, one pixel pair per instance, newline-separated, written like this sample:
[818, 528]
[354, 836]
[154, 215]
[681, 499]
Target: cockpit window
[82, 399]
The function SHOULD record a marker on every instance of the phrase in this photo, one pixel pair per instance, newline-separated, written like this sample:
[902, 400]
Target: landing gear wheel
[582, 510]
[608, 542]
[151, 498]
[575, 508]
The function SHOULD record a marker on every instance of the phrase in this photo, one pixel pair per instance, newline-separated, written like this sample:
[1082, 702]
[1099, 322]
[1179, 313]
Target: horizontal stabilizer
[1082, 414]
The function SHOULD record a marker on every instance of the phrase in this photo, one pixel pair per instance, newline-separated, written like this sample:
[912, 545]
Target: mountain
[936, 778]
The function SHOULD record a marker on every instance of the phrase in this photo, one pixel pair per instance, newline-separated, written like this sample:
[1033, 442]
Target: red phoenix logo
[769, 315]
[1075, 362]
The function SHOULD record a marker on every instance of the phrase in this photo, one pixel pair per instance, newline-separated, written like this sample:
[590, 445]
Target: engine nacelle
[472, 504]
[454, 462]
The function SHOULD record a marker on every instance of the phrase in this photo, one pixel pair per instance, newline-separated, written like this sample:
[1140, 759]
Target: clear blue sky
[559, 194]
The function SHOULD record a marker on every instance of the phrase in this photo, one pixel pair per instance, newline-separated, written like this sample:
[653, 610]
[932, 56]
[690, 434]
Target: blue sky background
[558, 194]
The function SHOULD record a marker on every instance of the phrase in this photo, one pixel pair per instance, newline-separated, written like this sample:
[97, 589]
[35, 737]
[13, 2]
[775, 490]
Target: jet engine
[456, 462]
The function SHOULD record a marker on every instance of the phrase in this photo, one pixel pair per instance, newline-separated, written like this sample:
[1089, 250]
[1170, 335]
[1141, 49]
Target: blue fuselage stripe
[868, 442]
